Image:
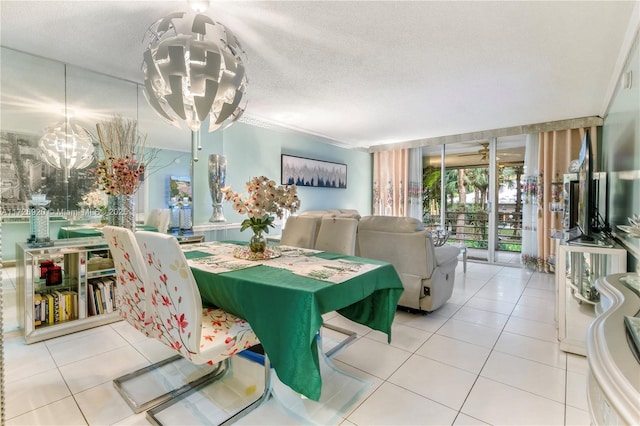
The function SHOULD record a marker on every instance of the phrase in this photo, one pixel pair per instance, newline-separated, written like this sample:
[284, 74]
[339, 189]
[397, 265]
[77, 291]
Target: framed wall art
[316, 173]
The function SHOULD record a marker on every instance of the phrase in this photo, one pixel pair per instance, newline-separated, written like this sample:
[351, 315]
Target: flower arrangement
[122, 168]
[95, 200]
[264, 199]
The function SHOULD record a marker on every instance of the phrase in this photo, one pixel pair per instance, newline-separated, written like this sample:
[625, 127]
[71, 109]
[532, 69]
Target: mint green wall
[255, 151]
[621, 150]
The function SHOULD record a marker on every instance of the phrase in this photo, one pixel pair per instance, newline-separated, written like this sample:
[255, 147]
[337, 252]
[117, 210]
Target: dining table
[284, 297]
[92, 230]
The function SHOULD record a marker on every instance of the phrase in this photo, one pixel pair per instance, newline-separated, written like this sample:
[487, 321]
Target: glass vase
[257, 243]
[121, 211]
[217, 178]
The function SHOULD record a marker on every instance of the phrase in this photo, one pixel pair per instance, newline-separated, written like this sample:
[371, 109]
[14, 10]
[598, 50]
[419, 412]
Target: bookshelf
[65, 288]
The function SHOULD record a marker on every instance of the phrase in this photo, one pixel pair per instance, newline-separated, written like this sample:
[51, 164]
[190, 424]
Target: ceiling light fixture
[194, 72]
[67, 145]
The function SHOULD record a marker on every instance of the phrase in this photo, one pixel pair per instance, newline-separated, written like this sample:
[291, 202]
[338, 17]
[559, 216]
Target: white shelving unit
[577, 270]
[74, 257]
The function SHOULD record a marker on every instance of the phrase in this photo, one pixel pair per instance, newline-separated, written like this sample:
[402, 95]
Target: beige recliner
[427, 272]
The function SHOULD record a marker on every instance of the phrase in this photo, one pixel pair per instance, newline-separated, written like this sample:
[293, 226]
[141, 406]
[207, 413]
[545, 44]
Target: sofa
[427, 272]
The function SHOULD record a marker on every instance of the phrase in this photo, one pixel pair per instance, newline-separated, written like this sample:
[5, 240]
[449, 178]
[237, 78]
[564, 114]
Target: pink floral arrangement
[119, 176]
[122, 168]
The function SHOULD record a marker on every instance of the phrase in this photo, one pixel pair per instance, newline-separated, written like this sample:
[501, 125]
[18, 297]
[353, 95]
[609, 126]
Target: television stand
[588, 241]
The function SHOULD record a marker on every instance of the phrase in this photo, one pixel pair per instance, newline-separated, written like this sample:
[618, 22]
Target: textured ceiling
[366, 73]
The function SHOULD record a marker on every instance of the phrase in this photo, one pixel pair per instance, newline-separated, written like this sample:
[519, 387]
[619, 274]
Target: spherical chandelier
[193, 72]
[67, 145]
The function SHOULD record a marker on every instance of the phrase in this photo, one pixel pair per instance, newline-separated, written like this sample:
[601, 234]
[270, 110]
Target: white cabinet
[613, 384]
[577, 270]
[65, 288]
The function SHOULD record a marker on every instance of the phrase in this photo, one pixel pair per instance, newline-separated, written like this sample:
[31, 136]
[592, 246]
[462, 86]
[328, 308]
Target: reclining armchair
[427, 272]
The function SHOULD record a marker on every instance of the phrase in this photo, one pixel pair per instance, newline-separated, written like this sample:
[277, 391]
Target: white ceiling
[365, 73]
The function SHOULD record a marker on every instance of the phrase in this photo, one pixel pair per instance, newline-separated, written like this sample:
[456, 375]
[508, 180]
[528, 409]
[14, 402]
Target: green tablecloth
[92, 231]
[285, 311]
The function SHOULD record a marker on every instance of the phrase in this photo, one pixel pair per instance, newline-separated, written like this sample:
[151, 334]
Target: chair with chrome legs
[148, 386]
[203, 336]
[338, 235]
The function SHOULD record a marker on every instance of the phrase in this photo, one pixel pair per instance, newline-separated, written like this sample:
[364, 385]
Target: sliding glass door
[472, 189]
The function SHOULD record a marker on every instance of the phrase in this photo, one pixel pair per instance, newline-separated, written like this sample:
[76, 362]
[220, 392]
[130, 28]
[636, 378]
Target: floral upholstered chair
[131, 276]
[178, 319]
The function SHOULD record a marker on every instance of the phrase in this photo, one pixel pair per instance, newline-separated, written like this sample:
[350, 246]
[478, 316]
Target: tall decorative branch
[125, 160]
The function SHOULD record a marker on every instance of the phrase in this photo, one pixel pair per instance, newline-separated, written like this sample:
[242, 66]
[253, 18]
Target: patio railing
[472, 228]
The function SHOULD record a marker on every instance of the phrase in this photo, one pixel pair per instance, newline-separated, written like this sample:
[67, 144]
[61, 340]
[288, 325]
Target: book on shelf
[61, 315]
[56, 308]
[109, 288]
[91, 300]
[99, 301]
[37, 309]
[50, 309]
[44, 309]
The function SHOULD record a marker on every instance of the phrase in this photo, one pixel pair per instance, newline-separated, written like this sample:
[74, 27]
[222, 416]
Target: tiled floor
[489, 356]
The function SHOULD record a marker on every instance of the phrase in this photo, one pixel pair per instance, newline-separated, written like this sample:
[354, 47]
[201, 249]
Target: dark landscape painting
[307, 172]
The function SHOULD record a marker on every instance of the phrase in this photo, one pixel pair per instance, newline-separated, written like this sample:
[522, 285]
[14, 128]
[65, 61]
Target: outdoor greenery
[468, 221]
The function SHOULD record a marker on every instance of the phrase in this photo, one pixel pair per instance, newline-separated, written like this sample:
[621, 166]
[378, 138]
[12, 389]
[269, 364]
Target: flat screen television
[586, 197]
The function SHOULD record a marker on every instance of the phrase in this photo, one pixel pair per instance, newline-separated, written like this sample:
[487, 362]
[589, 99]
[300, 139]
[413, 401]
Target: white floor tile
[471, 333]
[577, 391]
[393, 405]
[128, 332]
[469, 282]
[375, 382]
[439, 382]
[382, 361]
[447, 309]
[154, 350]
[491, 305]
[500, 404]
[10, 320]
[402, 317]
[455, 353]
[460, 297]
[103, 368]
[519, 273]
[402, 337]
[430, 322]
[22, 360]
[464, 420]
[504, 292]
[577, 364]
[268, 414]
[134, 420]
[481, 317]
[103, 405]
[532, 349]
[83, 345]
[34, 392]
[576, 417]
[64, 411]
[537, 293]
[530, 376]
[543, 313]
[535, 329]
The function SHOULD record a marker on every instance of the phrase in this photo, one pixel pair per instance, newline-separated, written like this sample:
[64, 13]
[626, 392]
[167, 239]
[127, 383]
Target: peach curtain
[555, 151]
[397, 183]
